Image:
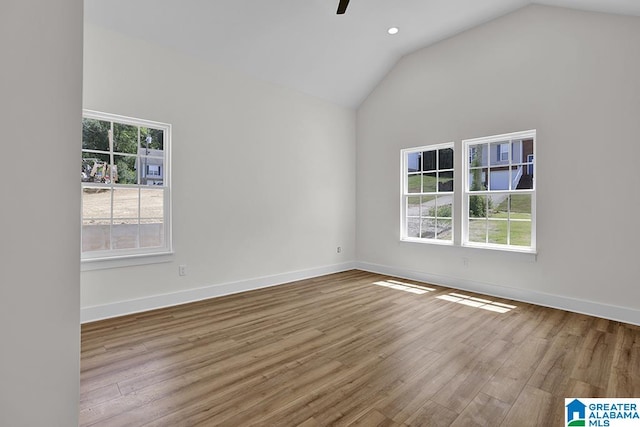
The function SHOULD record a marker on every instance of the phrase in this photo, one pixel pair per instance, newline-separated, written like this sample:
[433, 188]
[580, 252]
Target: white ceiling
[303, 44]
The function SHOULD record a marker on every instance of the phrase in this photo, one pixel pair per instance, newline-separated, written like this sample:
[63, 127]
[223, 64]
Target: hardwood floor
[352, 348]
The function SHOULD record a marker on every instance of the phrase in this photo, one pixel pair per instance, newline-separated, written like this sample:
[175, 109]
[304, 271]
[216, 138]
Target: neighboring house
[497, 160]
[150, 163]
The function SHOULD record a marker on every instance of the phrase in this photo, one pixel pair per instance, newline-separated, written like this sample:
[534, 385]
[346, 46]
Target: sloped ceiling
[303, 44]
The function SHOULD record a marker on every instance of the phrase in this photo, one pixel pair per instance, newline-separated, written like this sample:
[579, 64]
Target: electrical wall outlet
[182, 270]
[339, 249]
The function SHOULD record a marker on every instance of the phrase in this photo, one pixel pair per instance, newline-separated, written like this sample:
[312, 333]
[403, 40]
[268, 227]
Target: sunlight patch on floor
[407, 287]
[482, 303]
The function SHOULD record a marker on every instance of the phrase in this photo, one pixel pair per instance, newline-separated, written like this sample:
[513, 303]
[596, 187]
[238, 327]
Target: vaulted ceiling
[304, 44]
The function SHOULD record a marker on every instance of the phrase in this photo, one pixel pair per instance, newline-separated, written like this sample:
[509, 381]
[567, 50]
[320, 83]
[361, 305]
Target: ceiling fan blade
[342, 7]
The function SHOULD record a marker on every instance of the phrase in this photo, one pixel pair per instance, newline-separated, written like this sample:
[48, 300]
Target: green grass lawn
[498, 225]
[497, 231]
[519, 203]
[430, 183]
[520, 230]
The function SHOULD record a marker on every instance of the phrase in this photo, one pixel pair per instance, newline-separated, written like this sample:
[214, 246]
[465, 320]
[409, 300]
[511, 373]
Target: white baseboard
[612, 312]
[99, 312]
[621, 314]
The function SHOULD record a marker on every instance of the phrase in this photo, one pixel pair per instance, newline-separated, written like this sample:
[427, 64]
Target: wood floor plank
[534, 407]
[431, 414]
[467, 383]
[510, 379]
[596, 358]
[624, 379]
[351, 348]
[554, 371]
[484, 410]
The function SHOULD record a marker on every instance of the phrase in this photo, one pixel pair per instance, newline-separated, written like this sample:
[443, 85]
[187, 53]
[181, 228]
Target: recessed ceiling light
[393, 30]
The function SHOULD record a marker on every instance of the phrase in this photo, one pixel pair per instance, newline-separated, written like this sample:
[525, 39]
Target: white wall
[40, 110]
[571, 75]
[263, 176]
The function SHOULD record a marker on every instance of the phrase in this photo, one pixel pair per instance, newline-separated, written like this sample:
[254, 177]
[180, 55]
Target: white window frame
[530, 134]
[135, 256]
[404, 192]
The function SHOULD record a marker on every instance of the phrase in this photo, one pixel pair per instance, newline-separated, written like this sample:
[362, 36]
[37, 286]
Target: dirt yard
[96, 206]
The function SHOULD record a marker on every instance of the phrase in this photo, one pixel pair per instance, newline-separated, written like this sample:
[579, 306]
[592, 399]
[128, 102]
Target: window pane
[94, 167]
[428, 206]
[96, 204]
[125, 204]
[520, 206]
[444, 229]
[152, 214]
[96, 224]
[477, 179]
[414, 183]
[152, 233]
[125, 138]
[517, 155]
[522, 180]
[152, 170]
[477, 206]
[428, 229]
[520, 233]
[527, 150]
[95, 134]
[530, 168]
[499, 152]
[429, 160]
[152, 138]
[124, 234]
[444, 207]
[497, 231]
[445, 181]
[445, 158]
[478, 230]
[477, 155]
[151, 203]
[95, 235]
[497, 205]
[126, 169]
[413, 162]
[413, 206]
[499, 179]
[429, 182]
[413, 227]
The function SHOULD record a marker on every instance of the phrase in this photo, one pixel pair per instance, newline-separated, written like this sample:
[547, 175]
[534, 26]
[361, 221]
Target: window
[499, 194]
[153, 170]
[126, 198]
[427, 193]
[503, 152]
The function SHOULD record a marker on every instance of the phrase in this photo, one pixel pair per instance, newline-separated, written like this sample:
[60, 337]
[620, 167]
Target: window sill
[427, 241]
[125, 261]
[530, 255]
[522, 254]
[501, 248]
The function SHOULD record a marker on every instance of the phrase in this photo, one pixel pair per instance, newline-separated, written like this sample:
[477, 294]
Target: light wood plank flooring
[352, 348]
